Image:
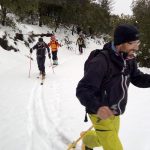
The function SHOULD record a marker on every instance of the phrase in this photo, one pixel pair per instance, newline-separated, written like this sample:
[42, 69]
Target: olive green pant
[105, 133]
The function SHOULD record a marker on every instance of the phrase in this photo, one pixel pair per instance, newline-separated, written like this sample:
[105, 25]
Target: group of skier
[41, 48]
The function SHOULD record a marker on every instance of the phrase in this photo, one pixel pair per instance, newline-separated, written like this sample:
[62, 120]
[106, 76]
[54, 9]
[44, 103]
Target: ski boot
[55, 62]
[40, 73]
[43, 75]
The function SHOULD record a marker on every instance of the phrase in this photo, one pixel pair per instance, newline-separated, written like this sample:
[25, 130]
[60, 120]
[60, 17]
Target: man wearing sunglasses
[103, 90]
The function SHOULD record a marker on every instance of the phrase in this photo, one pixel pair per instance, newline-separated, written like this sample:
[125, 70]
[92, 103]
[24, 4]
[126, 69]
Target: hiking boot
[43, 76]
[40, 73]
[55, 62]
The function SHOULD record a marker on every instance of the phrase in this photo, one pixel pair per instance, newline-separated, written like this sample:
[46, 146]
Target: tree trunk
[56, 24]
[4, 12]
[72, 29]
[40, 22]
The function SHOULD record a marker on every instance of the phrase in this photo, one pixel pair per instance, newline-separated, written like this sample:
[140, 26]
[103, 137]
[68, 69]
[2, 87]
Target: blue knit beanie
[125, 33]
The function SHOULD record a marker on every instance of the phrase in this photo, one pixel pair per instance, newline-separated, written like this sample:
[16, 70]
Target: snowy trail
[40, 125]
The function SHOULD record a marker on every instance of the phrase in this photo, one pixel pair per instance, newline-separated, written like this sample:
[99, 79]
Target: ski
[53, 66]
[72, 146]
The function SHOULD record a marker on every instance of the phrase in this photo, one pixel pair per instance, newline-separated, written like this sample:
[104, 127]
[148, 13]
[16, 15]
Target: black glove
[49, 55]
[30, 50]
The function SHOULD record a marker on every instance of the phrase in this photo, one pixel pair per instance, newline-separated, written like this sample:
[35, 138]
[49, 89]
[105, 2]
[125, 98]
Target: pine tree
[141, 10]
[5, 6]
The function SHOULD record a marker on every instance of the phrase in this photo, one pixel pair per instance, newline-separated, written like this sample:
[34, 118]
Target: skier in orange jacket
[53, 44]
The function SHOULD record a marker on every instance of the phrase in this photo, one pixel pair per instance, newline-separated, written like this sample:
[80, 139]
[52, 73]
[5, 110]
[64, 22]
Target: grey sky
[122, 6]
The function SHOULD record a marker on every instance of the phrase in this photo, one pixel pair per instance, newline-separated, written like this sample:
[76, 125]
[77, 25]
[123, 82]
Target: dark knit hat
[125, 33]
[40, 39]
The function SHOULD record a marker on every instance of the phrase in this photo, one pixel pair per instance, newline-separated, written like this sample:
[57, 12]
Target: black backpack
[92, 55]
[41, 49]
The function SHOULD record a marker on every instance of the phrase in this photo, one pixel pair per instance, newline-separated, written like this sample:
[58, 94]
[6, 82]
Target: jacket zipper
[124, 87]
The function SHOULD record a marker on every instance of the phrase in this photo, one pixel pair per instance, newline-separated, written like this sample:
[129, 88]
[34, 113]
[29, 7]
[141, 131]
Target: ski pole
[51, 66]
[30, 66]
[75, 49]
[29, 57]
[73, 144]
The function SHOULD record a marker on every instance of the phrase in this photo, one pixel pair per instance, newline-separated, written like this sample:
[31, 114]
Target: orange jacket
[53, 45]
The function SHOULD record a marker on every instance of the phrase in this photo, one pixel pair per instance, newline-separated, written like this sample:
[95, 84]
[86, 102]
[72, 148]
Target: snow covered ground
[49, 117]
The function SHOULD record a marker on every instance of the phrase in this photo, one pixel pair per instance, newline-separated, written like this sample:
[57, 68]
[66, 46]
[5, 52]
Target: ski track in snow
[39, 122]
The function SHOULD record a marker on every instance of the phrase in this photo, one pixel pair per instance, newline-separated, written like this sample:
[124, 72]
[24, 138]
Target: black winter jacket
[107, 85]
[41, 49]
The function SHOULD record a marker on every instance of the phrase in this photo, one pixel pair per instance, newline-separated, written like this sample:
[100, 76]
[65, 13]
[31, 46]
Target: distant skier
[41, 47]
[81, 44]
[53, 44]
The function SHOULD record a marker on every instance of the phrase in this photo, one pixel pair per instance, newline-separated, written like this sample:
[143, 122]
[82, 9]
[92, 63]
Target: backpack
[80, 41]
[92, 55]
[40, 49]
[54, 45]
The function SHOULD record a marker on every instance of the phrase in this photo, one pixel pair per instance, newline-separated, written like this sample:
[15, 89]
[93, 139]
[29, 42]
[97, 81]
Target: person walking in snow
[81, 44]
[41, 47]
[103, 90]
[53, 44]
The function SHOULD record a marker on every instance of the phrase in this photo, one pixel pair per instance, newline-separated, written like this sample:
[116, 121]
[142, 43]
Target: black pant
[80, 49]
[54, 55]
[41, 63]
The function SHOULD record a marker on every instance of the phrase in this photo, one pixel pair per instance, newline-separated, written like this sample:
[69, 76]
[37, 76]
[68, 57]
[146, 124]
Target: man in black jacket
[104, 88]
[41, 47]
